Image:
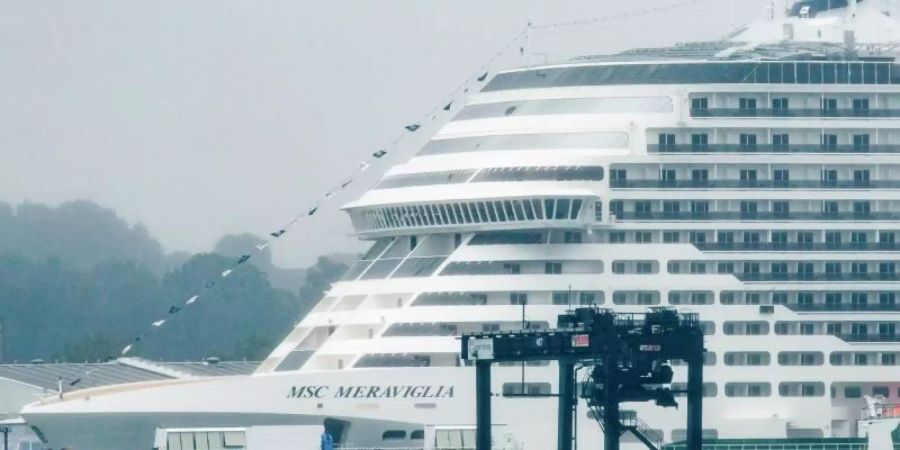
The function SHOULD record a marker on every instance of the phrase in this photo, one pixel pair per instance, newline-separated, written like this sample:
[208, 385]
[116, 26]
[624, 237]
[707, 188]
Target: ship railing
[881, 411]
[772, 148]
[795, 112]
[752, 184]
[796, 246]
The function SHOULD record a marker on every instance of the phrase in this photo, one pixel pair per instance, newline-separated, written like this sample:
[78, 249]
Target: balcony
[759, 216]
[842, 307]
[772, 276]
[797, 247]
[772, 148]
[892, 337]
[793, 112]
[758, 184]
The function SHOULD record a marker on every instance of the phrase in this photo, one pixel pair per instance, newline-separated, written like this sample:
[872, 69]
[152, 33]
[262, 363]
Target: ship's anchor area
[627, 356]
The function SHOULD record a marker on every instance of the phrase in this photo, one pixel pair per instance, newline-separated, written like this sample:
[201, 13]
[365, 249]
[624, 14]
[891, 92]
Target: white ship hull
[750, 181]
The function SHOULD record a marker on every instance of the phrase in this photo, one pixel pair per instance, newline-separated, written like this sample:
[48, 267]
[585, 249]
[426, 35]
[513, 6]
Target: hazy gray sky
[209, 117]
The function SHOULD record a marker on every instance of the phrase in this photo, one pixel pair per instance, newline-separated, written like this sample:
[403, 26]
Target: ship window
[235, 439]
[518, 388]
[567, 106]
[553, 268]
[748, 389]
[666, 140]
[174, 441]
[780, 140]
[417, 434]
[801, 389]
[747, 140]
[852, 392]
[393, 435]
[699, 139]
[518, 298]
[216, 440]
[426, 178]
[526, 142]
[700, 103]
[680, 389]
[747, 103]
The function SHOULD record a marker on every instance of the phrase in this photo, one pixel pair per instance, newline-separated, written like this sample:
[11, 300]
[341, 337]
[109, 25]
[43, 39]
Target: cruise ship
[753, 180]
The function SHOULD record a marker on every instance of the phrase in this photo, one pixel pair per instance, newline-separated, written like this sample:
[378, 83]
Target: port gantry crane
[628, 355]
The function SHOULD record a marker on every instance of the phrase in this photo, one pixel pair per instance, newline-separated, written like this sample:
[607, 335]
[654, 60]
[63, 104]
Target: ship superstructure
[754, 180]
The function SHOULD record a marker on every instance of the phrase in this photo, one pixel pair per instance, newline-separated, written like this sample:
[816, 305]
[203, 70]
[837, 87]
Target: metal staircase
[630, 421]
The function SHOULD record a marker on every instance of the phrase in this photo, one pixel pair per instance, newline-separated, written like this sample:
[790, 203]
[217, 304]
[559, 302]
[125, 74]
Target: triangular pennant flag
[227, 272]
[243, 259]
[312, 211]
[413, 127]
[262, 246]
[210, 285]
[483, 77]
[447, 108]
[276, 234]
[363, 166]
[126, 349]
[191, 300]
[174, 309]
[379, 153]
[159, 323]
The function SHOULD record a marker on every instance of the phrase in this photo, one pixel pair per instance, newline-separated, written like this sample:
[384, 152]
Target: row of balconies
[757, 216]
[797, 246]
[773, 148]
[754, 184]
[794, 112]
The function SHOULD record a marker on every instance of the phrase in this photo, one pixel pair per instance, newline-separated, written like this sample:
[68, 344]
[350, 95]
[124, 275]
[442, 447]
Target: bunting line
[476, 78]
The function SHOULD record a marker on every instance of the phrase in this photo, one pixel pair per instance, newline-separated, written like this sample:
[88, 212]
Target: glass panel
[426, 178]
[567, 106]
[526, 142]
[235, 439]
[174, 441]
[381, 269]
[508, 209]
[501, 212]
[418, 267]
[519, 211]
[482, 212]
[549, 209]
[187, 441]
[216, 440]
[576, 208]
[562, 208]
[201, 442]
[471, 211]
[538, 211]
[491, 212]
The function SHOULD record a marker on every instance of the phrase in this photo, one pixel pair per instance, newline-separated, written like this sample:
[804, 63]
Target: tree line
[77, 283]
